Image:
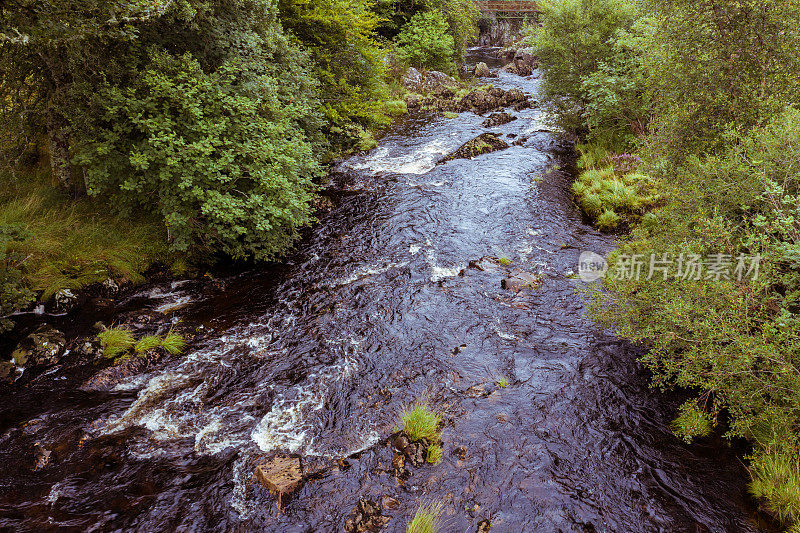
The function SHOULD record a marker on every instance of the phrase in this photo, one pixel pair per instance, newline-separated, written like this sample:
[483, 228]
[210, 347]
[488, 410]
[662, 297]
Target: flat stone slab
[281, 474]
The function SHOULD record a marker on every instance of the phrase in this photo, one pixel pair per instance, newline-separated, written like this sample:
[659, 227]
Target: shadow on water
[380, 307]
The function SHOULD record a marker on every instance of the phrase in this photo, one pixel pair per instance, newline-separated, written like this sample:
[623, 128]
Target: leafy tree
[425, 42]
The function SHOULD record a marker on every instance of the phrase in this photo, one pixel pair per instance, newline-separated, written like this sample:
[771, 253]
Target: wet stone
[498, 119]
[42, 347]
[281, 474]
[41, 456]
[7, 371]
[366, 516]
[521, 280]
[484, 526]
[388, 503]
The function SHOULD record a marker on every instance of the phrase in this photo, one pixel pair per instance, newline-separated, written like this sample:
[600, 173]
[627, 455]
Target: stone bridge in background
[507, 6]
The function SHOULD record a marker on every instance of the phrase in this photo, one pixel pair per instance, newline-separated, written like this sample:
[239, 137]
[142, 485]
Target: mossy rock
[482, 144]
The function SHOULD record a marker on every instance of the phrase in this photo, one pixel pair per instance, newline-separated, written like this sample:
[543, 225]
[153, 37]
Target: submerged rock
[497, 119]
[482, 144]
[365, 517]
[281, 475]
[521, 280]
[42, 347]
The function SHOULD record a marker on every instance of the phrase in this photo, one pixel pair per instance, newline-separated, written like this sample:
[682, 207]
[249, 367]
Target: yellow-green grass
[147, 343]
[427, 519]
[173, 343]
[116, 342]
[421, 422]
[434, 454]
[75, 242]
[776, 479]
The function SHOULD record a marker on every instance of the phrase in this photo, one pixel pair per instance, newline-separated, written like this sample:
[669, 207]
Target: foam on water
[420, 161]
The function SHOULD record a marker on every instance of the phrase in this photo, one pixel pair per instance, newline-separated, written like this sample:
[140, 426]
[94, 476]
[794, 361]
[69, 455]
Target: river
[380, 307]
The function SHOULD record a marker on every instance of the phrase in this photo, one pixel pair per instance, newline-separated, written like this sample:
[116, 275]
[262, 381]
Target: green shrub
[147, 343]
[427, 519]
[421, 422]
[425, 42]
[116, 341]
[692, 422]
[14, 291]
[608, 220]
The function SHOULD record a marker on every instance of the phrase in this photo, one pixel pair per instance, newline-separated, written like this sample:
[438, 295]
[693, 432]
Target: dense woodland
[193, 129]
[137, 130]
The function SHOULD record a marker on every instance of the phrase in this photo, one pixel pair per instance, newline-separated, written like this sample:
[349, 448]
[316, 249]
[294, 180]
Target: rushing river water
[378, 308]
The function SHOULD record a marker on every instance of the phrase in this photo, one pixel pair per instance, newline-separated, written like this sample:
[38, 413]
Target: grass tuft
[116, 341]
[776, 478]
[147, 343]
[505, 261]
[502, 382]
[427, 519]
[435, 454]
[173, 343]
[420, 422]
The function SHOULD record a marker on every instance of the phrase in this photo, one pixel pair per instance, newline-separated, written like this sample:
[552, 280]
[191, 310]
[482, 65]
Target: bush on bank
[707, 103]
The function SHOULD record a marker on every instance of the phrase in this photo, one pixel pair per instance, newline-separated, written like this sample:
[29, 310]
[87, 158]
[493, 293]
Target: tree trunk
[59, 150]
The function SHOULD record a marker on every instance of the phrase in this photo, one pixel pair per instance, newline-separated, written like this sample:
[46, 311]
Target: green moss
[692, 422]
[450, 114]
[427, 519]
[116, 341]
[173, 343]
[505, 261]
[421, 422]
[435, 454]
[608, 220]
[395, 107]
[147, 343]
[502, 382]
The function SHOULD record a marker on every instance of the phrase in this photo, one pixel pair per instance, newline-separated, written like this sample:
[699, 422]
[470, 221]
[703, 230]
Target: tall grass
[75, 241]
[421, 422]
[427, 519]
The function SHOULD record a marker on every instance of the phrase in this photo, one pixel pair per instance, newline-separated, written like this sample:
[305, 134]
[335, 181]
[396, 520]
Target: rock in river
[281, 474]
[482, 144]
[42, 347]
[497, 119]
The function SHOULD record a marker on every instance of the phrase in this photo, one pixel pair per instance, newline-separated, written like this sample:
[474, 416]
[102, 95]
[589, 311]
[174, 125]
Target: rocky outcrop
[482, 71]
[497, 119]
[42, 347]
[485, 100]
[482, 144]
[429, 81]
[66, 300]
[520, 61]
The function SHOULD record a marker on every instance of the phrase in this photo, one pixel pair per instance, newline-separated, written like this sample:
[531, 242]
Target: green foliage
[434, 454]
[692, 422]
[425, 42]
[421, 422]
[173, 343]
[346, 59]
[14, 291]
[718, 65]
[607, 196]
[736, 340]
[502, 382]
[576, 39]
[427, 519]
[116, 341]
[505, 261]
[147, 343]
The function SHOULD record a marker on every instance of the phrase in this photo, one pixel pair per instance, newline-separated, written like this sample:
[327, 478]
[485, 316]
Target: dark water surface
[379, 308]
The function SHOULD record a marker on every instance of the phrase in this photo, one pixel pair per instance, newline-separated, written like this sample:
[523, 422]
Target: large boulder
[482, 71]
[429, 81]
[497, 119]
[42, 347]
[482, 144]
[522, 62]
